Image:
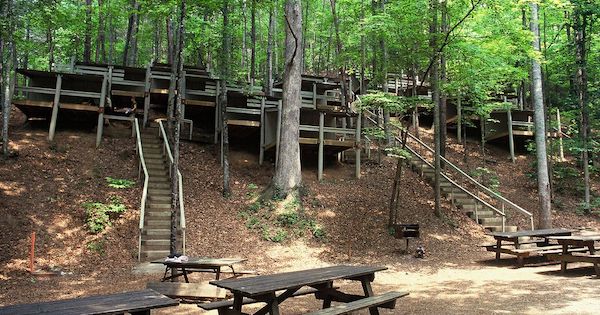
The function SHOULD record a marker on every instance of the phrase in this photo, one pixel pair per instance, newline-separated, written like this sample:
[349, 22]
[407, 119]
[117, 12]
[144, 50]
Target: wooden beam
[127, 93]
[100, 127]
[55, 107]
[511, 140]
[245, 123]
[199, 103]
[321, 143]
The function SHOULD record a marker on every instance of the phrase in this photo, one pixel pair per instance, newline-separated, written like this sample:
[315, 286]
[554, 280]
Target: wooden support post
[100, 127]
[511, 140]
[459, 119]
[314, 95]
[261, 154]
[357, 143]
[278, 134]
[109, 86]
[321, 143]
[342, 156]
[560, 137]
[147, 86]
[55, 107]
[217, 113]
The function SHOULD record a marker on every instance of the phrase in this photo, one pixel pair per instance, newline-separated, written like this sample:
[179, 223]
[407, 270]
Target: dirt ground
[42, 188]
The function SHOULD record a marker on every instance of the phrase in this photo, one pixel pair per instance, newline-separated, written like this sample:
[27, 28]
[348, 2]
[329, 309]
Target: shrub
[119, 183]
[97, 214]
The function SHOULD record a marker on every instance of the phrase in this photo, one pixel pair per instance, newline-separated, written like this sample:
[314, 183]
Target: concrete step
[159, 192]
[159, 179]
[149, 160]
[154, 254]
[151, 146]
[157, 232]
[158, 205]
[156, 214]
[482, 214]
[159, 185]
[158, 223]
[152, 151]
[160, 199]
[508, 228]
[491, 221]
[154, 245]
[154, 156]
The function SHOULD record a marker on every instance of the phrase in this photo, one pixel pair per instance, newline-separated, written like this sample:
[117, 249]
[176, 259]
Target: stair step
[153, 156]
[160, 199]
[158, 224]
[482, 214]
[491, 221]
[508, 228]
[166, 185]
[154, 205]
[165, 232]
[159, 192]
[465, 201]
[154, 254]
[159, 179]
[158, 214]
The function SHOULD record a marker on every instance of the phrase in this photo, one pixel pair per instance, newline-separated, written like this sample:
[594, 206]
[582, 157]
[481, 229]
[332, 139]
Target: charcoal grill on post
[406, 231]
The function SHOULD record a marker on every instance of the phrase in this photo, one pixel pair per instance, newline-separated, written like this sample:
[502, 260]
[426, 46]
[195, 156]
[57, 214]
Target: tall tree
[580, 25]
[253, 42]
[434, 78]
[225, 60]
[131, 42]
[287, 172]
[270, 44]
[545, 220]
[101, 41]
[176, 132]
[87, 43]
[8, 66]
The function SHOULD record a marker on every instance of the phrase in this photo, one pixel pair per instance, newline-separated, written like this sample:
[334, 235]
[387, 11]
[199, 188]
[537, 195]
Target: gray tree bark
[87, 42]
[545, 220]
[174, 174]
[270, 44]
[436, 102]
[225, 60]
[9, 76]
[288, 174]
[443, 80]
[101, 41]
[253, 44]
[581, 79]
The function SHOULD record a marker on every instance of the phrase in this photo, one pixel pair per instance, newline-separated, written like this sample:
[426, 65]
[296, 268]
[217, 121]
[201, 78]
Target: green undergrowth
[119, 183]
[279, 218]
[99, 216]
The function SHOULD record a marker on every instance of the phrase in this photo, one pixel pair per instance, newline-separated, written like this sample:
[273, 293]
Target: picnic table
[537, 240]
[571, 242]
[276, 288]
[199, 264]
[135, 303]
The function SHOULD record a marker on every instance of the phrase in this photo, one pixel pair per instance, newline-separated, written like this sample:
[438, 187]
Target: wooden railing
[141, 167]
[167, 149]
[502, 202]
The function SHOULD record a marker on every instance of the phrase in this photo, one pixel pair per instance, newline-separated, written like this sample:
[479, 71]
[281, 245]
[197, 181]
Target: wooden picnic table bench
[135, 303]
[223, 306]
[387, 300]
[201, 264]
[567, 255]
[267, 288]
[536, 242]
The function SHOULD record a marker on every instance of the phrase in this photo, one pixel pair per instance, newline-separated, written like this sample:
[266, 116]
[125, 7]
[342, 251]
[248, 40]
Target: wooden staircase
[486, 207]
[485, 216]
[156, 231]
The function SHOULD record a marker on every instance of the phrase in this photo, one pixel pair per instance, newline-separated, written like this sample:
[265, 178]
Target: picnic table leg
[218, 273]
[498, 246]
[563, 263]
[327, 299]
[366, 284]
[165, 277]
[185, 275]
[592, 249]
[237, 302]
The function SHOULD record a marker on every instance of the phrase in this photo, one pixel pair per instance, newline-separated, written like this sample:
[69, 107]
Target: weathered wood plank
[245, 301]
[387, 299]
[187, 290]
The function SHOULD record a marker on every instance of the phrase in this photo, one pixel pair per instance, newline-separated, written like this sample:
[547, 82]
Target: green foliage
[119, 183]
[98, 215]
[487, 177]
[96, 246]
[392, 103]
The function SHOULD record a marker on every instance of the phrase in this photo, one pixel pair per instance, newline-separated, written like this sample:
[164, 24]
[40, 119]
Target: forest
[472, 51]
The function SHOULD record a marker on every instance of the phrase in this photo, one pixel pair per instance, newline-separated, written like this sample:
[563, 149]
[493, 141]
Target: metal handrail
[167, 148]
[142, 166]
[490, 193]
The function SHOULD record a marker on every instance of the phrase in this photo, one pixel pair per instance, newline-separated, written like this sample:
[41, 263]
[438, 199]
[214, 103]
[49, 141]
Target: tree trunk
[174, 174]
[244, 34]
[545, 220]
[87, 42]
[339, 48]
[157, 41]
[270, 40]
[112, 37]
[433, 32]
[101, 41]
[443, 80]
[50, 42]
[580, 28]
[363, 50]
[225, 61]
[130, 51]
[27, 39]
[170, 40]
[287, 173]
[9, 76]
[253, 44]
[384, 79]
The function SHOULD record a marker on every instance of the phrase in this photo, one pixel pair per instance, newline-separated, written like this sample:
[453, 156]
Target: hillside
[44, 186]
